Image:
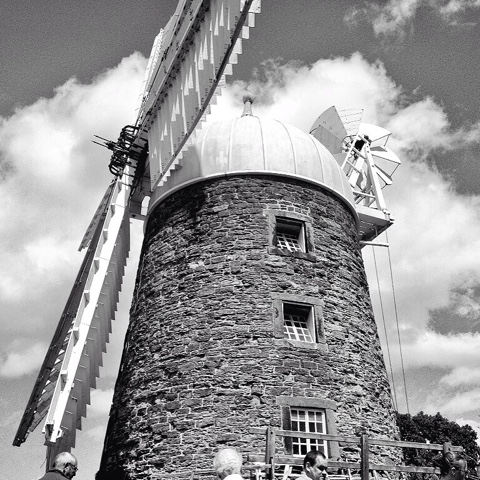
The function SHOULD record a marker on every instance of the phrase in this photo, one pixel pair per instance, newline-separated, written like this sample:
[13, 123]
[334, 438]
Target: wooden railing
[269, 460]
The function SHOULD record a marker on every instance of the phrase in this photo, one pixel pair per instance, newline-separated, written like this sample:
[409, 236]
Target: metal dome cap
[250, 145]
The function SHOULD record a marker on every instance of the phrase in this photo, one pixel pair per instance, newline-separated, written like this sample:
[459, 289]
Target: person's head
[66, 463]
[453, 466]
[315, 465]
[227, 462]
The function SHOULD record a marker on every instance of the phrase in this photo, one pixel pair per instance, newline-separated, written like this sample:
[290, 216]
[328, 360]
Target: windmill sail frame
[56, 371]
[177, 100]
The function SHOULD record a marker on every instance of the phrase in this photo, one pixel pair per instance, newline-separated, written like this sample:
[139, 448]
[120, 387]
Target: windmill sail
[332, 127]
[351, 120]
[62, 389]
[193, 63]
[98, 217]
[189, 60]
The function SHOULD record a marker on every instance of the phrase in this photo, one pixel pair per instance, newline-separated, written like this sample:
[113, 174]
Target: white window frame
[287, 403]
[314, 322]
[297, 240]
[301, 446]
[290, 234]
[295, 314]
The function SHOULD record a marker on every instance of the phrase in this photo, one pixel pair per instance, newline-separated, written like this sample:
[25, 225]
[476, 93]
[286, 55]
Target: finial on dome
[247, 104]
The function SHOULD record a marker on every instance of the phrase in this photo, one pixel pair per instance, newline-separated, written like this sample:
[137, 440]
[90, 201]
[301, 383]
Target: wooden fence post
[364, 457]
[270, 453]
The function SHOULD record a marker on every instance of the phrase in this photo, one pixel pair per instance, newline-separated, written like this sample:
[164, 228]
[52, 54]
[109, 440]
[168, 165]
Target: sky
[72, 70]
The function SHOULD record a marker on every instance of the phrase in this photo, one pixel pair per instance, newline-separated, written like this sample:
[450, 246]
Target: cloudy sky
[70, 70]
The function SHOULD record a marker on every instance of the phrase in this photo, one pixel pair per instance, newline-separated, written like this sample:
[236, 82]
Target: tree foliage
[436, 429]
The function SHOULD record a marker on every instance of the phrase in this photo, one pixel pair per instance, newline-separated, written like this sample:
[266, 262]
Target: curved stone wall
[204, 358]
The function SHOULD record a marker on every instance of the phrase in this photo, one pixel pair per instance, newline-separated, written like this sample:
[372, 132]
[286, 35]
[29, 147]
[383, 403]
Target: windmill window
[298, 322]
[290, 235]
[308, 421]
[308, 415]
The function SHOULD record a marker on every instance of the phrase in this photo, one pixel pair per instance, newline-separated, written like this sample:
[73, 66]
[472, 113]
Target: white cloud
[457, 393]
[100, 402]
[299, 94]
[21, 359]
[450, 403]
[395, 17]
[39, 254]
[462, 375]
[424, 126]
[447, 351]
[433, 242]
[452, 10]
[56, 176]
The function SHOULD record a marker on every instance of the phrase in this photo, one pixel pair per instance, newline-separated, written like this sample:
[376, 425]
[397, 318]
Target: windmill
[189, 61]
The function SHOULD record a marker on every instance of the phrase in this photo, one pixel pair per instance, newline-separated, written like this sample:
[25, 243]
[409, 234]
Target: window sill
[283, 342]
[286, 253]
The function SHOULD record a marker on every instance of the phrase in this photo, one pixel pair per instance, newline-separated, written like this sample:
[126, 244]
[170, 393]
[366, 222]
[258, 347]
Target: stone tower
[251, 308]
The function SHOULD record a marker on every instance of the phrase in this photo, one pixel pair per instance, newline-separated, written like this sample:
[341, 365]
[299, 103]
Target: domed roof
[253, 145]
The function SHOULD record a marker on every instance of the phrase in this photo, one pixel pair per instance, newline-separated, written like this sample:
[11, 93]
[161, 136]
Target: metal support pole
[377, 189]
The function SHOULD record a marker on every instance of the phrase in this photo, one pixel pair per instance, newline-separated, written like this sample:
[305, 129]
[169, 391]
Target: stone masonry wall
[201, 364]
